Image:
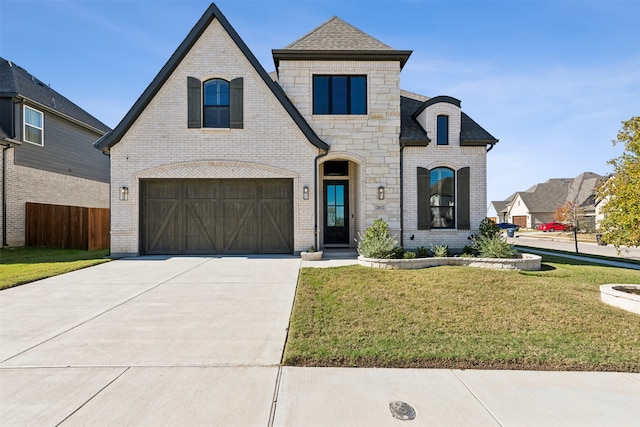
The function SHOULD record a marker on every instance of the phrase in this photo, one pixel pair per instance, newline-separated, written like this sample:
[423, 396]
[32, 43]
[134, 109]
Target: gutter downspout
[315, 196]
[401, 193]
[4, 195]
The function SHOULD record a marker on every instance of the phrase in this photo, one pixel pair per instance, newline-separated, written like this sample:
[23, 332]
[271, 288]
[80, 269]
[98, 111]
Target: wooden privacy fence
[67, 227]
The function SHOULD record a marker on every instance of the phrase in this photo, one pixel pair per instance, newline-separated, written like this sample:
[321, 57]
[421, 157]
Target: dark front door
[336, 212]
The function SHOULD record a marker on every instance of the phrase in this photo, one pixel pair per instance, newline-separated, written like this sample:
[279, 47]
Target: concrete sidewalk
[189, 341]
[553, 241]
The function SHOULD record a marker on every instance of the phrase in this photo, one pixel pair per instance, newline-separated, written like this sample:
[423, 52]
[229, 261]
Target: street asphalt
[195, 341]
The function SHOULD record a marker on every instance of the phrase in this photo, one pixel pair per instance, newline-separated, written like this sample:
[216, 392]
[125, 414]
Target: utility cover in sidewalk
[402, 410]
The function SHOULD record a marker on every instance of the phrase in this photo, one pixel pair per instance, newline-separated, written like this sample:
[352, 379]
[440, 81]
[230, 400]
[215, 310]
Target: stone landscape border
[612, 295]
[527, 262]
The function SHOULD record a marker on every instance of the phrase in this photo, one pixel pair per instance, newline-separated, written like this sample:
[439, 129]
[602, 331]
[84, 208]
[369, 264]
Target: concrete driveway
[197, 341]
[147, 341]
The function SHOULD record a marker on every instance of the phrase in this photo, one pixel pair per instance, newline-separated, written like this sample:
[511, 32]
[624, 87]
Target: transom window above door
[339, 95]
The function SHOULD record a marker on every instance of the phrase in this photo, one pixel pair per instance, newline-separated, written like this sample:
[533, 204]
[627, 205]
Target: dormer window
[339, 95]
[442, 130]
[33, 126]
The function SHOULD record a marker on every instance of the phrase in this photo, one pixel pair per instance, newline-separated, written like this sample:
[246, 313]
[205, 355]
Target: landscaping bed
[528, 262]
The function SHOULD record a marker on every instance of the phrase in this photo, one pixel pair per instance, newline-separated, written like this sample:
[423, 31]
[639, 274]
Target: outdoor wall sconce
[381, 193]
[305, 192]
[124, 193]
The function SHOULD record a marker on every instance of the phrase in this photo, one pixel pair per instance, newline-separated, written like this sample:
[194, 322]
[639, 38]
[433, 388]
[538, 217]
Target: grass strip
[27, 264]
[462, 317]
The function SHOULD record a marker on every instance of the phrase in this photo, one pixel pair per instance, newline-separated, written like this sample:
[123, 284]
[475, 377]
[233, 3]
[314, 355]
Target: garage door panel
[240, 189]
[240, 226]
[162, 225]
[201, 226]
[217, 216]
[276, 225]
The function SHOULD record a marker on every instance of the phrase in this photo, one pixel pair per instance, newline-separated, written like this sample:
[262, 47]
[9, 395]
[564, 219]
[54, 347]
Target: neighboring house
[47, 152]
[538, 204]
[498, 210]
[600, 203]
[216, 157]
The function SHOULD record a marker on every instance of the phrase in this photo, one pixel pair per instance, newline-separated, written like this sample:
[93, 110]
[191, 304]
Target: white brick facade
[38, 186]
[453, 156]
[273, 144]
[159, 144]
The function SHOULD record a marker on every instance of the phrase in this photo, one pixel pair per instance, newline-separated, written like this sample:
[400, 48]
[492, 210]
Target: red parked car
[554, 226]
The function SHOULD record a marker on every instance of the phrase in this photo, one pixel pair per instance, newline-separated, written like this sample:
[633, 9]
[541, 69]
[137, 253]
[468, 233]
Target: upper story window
[442, 131]
[216, 104]
[33, 126]
[339, 94]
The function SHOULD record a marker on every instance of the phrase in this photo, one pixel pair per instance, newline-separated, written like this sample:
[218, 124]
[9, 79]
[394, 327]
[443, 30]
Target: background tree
[620, 194]
[570, 213]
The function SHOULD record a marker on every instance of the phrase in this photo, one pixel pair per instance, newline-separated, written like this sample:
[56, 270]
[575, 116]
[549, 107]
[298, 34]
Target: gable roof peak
[336, 34]
[211, 14]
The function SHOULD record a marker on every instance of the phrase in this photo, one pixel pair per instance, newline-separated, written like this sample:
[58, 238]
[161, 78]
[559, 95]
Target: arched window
[216, 104]
[442, 131]
[442, 198]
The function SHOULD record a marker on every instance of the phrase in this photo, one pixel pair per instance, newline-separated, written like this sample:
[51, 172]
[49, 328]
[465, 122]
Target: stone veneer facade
[38, 186]
[369, 142]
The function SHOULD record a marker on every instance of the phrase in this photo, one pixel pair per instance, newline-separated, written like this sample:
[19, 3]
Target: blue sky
[552, 80]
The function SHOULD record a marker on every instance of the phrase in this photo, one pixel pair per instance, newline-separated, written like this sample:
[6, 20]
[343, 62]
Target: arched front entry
[339, 202]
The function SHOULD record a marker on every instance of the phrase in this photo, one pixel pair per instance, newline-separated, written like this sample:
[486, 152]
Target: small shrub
[494, 247]
[440, 251]
[409, 255]
[469, 251]
[377, 241]
[311, 249]
[398, 252]
[422, 252]
[488, 228]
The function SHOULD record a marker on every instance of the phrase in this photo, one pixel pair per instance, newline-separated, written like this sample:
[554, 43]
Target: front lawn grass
[27, 264]
[463, 317]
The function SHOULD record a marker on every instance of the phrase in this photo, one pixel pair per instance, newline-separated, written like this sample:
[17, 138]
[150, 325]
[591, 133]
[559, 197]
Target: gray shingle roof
[583, 189]
[16, 81]
[338, 40]
[471, 133]
[547, 196]
[501, 206]
[411, 133]
[336, 34]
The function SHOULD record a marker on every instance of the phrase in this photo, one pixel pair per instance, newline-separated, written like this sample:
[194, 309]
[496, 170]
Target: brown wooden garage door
[216, 216]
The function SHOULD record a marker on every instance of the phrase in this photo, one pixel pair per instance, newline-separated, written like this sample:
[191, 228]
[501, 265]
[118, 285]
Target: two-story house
[219, 157]
[47, 151]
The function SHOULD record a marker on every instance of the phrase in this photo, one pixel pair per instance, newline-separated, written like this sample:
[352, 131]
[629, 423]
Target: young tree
[620, 194]
[570, 213]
